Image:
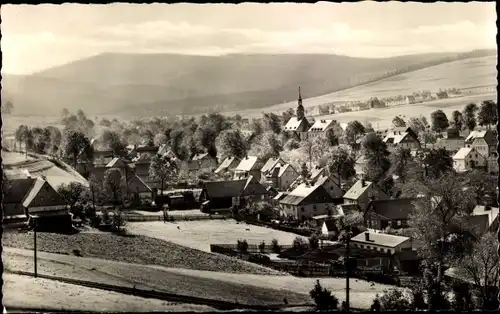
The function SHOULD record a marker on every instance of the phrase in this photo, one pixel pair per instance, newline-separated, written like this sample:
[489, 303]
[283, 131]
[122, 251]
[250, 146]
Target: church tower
[300, 108]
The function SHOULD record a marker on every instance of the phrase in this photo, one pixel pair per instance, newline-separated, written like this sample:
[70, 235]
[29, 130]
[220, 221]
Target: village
[341, 192]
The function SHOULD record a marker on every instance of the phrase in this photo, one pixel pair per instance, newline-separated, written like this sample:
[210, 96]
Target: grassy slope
[133, 249]
[37, 293]
[146, 84]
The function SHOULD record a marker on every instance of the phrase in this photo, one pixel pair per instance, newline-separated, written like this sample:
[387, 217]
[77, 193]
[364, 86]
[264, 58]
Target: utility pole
[34, 234]
[347, 265]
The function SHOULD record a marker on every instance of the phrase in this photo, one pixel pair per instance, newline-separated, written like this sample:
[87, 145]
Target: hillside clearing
[133, 249]
[37, 293]
[200, 234]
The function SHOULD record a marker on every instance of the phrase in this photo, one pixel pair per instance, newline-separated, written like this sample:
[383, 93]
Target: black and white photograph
[287, 157]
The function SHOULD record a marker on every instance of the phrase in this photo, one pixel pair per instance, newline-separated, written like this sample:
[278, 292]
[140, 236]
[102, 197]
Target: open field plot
[149, 277]
[200, 234]
[11, 122]
[37, 293]
[56, 176]
[133, 249]
[382, 118]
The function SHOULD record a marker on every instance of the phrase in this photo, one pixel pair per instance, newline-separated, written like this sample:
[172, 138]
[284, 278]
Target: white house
[467, 159]
[250, 165]
[362, 192]
[402, 137]
[306, 201]
[484, 142]
[330, 186]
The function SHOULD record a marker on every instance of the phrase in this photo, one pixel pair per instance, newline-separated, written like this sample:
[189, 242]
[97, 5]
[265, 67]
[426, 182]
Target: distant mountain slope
[160, 84]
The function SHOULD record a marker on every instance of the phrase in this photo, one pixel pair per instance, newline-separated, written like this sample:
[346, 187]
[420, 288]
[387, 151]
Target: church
[298, 125]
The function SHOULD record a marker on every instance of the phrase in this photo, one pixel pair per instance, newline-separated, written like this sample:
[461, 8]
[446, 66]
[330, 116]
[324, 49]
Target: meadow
[458, 74]
[200, 234]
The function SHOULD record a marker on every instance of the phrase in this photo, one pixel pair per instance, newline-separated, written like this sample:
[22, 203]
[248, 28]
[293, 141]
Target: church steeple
[300, 108]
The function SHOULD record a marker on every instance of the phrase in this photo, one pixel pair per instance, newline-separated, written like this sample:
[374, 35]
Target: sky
[37, 37]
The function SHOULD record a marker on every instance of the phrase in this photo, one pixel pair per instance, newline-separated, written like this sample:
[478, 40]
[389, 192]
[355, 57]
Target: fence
[143, 218]
[268, 248]
[302, 232]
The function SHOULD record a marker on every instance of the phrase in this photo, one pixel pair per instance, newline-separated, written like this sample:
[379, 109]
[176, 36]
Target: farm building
[44, 204]
[467, 159]
[362, 193]
[14, 192]
[226, 194]
[248, 166]
[381, 242]
[227, 165]
[393, 213]
[307, 201]
[402, 137]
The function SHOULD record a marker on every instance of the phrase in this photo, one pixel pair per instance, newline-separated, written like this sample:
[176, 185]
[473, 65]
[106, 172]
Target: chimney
[367, 236]
[363, 183]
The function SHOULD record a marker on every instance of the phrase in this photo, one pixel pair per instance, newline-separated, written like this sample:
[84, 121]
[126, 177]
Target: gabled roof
[253, 187]
[222, 189]
[284, 168]
[136, 184]
[294, 123]
[477, 135]
[117, 163]
[462, 153]
[320, 125]
[381, 239]
[270, 164]
[280, 196]
[393, 209]
[316, 172]
[396, 135]
[302, 194]
[42, 194]
[226, 164]
[249, 163]
[200, 156]
[357, 190]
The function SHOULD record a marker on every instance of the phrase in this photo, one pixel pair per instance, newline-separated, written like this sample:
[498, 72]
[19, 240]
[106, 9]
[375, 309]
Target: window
[398, 223]
[302, 209]
[314, 207]
[362, 246]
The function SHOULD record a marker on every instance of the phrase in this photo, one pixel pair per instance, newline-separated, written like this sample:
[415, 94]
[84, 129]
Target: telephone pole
[34, 242]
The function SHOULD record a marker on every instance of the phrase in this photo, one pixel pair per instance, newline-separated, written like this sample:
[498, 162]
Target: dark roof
[392, 208]
[253, 187]
[145, 148]
[303, 194]
[42, 194]
[219, 189]
[331, 225]
[18, 190]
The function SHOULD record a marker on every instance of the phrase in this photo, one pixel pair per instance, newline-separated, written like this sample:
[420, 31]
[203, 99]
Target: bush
[323, 298]
[314, 242]
[300, 243]
[118, 220]
[395, 299]
[95, 221]
[376, 307]
[275, 246]
[262, 247]
[242, 246]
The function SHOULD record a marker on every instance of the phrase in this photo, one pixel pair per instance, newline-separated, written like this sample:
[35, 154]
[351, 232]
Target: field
[459, 74]
[37, 293]
[132, 249]
[244, 288]
[11, 122]
[200, 234]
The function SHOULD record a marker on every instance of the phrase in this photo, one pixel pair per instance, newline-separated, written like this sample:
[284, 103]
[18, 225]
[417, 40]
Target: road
[246, 289]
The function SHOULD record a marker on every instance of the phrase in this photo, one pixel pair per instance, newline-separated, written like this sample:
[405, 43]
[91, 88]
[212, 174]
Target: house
[14, 192]
[330, 186]
[143, 151]
[492, 165]
[276, 199]
[319, 128]
[205, 161]
[270, 164]
[226, 194]
[410, 99]
[402, 137]
[228, 165]
[452, 141]
[485, 142]
[282, 176]
[485, 218]
[248, 166]
[392, 213]
[382, 242]
[362, 193]
[467, 159]
[307, 201]
[44, 204]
